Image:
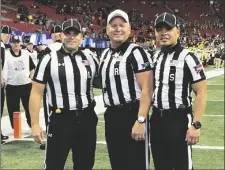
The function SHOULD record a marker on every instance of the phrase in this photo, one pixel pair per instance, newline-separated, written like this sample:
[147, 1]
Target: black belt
[172, 111]
[127, 104]
[77, 110]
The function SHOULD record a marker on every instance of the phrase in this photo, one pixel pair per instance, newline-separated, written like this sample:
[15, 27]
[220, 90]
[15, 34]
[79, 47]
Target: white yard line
[212, 100]
[213, 115]
[215, 100]
[215, 84]
[102, 121]
[104, 143]
[208, 147]
[217, 90]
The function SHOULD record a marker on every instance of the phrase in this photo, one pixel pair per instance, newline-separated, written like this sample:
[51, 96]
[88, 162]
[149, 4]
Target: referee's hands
[37, 133]
[138, 131]
[192, 136]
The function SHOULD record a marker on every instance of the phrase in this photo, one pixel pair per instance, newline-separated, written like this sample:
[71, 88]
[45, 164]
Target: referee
[68, 75]
[177, 72]
[56, 34]
[5, 36]
[127, 82]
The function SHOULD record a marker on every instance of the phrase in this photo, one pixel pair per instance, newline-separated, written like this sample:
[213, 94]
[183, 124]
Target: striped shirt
[174, 73]
[2, 53]
[68, 78]
[3, 66]
[33, 55]
[117, 71]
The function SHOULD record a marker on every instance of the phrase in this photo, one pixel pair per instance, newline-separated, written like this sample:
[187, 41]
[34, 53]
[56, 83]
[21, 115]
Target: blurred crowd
[93, 20]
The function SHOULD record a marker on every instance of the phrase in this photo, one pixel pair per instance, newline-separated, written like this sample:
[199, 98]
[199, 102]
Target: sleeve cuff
[38, 81]
[147, 69]
[196, 81]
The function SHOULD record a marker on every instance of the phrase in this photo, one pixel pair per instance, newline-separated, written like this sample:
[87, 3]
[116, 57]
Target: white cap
[118, 13]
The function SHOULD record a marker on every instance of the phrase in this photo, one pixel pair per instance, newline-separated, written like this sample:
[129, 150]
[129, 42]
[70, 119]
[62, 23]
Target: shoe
[2, 142]
[4, 137]
[42, 146]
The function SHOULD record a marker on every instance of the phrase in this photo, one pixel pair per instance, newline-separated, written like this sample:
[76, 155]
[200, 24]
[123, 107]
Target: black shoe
[42, 146]
[4, 137]
[2, 142]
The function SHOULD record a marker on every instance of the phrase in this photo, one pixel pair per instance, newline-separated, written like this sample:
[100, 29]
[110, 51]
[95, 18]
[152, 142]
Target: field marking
[217, 90]
[211, 100]
[104, 143]
[208, 147]
[193, 146]
[215, 100]
[215, 84]
[213, 115]
[102, 121]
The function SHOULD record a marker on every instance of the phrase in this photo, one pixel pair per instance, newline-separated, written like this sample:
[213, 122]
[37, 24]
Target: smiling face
[72, 39]
[118, 30]
[167, 35]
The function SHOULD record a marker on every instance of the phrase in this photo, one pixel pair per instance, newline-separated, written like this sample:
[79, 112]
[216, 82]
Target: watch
[141, 119]
[197, 124]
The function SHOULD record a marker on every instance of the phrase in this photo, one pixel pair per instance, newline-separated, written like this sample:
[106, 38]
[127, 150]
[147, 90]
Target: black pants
[2, 100]
[46, 108]
[168, 133]
[71, 130]
[13, 96]
[124, 151]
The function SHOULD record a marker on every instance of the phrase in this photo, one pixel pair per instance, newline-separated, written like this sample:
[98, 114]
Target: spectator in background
[5, 36]
[40, 50]
[32, 52]
[30, 19]
[19, 73]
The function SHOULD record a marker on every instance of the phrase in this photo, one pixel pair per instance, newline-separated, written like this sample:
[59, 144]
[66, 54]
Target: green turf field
[26, 155]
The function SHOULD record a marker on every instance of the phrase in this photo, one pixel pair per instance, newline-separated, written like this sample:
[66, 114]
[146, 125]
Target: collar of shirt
[13, 54]
[2, 44]
[58, 41]
[69, 54]
[122, 48]
[30, 51]
[171, 49]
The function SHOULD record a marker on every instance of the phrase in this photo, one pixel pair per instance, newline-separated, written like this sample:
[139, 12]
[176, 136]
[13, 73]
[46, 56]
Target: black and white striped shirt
[2, 53]
[117, 71]
[68, 78]
[3, 65]
[33, 55]
[174, 73]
